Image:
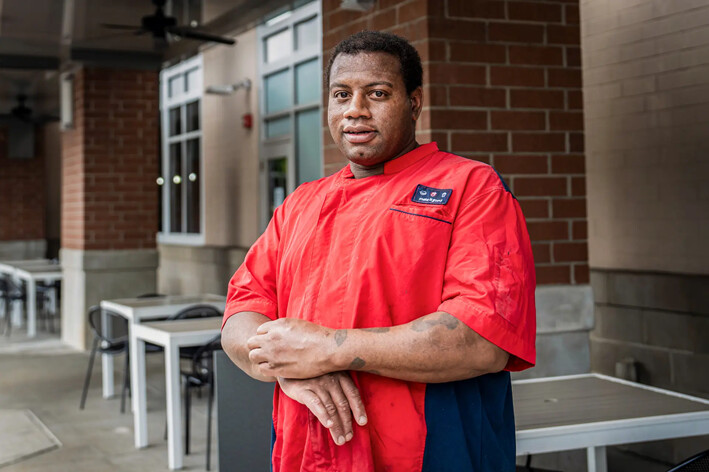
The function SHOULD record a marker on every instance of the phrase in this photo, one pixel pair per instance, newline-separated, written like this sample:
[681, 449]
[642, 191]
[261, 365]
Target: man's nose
[358, 107]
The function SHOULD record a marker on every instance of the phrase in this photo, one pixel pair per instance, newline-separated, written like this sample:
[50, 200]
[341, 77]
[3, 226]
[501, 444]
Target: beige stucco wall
[230, 163]
[646, 104]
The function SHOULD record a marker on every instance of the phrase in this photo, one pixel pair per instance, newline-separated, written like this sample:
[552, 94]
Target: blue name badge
[431, 196]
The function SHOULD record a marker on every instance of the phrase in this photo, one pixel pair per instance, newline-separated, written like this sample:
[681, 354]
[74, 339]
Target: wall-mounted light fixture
[230, 88]
[357, 5]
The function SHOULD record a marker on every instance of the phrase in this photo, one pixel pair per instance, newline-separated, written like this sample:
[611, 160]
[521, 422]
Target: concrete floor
[46, 377]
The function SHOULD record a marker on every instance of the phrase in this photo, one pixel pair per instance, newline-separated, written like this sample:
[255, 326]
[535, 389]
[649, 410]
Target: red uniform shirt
[434, 232]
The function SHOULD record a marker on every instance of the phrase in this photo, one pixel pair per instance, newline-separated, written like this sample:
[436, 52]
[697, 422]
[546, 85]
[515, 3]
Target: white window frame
[166, 103]
[268, 147]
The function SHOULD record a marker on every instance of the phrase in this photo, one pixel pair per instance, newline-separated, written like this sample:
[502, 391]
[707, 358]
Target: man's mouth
[359, 135]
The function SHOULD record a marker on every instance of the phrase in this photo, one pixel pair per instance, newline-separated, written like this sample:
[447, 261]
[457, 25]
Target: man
[389, 300]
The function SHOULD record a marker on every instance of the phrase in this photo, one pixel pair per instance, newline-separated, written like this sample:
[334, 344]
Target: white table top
[136, 309]
[194, 331]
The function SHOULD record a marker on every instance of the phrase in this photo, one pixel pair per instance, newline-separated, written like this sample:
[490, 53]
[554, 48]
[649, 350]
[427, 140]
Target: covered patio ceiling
[41, 38]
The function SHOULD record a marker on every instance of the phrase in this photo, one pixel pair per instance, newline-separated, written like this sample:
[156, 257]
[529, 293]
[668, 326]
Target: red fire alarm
[247, 121]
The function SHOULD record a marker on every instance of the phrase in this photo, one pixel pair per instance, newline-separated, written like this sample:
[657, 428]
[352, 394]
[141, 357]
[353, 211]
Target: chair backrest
[100, 319]
[195, 311]
[150, 295]
[202, 363]
[698, 463]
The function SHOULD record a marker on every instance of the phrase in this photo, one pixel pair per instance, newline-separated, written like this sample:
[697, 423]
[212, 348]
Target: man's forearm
[434, 348]
[237, 330]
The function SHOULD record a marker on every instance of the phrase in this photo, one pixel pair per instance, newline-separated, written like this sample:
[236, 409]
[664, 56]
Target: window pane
[175, 125]
[278, 45]
[192, 186]
[175, 187]
[191, 81]
[307, 80]
[306, 33]
[192, 119]
[174, 86]
[308, 145]
[277, 127]
[278, 92]
[277, 178]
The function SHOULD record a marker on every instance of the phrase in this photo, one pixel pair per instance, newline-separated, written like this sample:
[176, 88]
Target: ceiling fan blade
[123, 27]
[191, 33]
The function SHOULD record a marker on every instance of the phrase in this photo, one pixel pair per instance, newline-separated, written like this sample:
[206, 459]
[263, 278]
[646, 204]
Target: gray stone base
[23, 249]
[192, 270]
[564, 319]
[660, 321]
[92, 276]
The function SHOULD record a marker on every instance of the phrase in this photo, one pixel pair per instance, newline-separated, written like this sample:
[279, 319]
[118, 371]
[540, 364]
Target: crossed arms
[311, 362]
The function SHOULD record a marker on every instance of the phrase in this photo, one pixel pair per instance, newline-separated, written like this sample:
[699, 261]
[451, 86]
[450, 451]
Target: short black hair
[377, 41]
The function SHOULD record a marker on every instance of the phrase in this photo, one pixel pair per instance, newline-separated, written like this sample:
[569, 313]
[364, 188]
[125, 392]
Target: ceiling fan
[160, 25]
[21, 112]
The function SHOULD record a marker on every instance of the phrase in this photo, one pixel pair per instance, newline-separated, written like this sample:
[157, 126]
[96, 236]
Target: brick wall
[110, 161]
[502, 84]
[21, 193]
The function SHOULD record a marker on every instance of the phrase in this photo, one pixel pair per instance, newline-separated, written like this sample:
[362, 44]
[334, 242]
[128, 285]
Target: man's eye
[379, 94]
[340, 94]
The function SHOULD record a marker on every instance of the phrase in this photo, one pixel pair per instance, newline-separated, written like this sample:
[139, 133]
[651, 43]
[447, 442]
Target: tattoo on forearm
[383, 329]
[357, 363]
[340, 336]
[422, 324]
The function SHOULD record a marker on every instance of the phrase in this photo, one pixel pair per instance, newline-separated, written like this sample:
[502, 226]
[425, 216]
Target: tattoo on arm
[357, 363]
[383, 329]
[449, 321]
[340, 336]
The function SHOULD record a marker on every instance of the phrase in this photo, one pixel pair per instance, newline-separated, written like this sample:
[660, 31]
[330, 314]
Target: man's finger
[312, 401]
[264, 327]
[354, 399]
[333, 417]
[254, 341]
[256, 356]
[343, 410]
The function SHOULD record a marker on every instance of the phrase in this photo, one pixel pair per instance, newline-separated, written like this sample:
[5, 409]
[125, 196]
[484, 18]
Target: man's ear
[416, 101]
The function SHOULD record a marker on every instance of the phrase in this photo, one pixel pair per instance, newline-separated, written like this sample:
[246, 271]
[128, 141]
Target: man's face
[371, 117]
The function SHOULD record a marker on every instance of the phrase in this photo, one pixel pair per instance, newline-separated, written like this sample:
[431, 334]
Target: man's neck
[360, 171]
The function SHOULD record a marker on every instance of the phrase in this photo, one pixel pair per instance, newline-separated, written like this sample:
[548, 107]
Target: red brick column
[109, 194]
[110, 162]
[502, 85]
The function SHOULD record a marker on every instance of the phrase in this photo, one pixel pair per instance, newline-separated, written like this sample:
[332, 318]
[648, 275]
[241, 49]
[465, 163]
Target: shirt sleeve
[489, 278]
[253, 285]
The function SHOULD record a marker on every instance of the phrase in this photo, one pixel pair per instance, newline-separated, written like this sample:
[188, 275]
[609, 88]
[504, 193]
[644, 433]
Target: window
[181, 164]
[290, 69]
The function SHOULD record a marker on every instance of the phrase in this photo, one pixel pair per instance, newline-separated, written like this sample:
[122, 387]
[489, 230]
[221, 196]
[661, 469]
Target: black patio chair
[113, 344]
[12, 292]
[527, 467]
[193, 311]
[200, 374]
[696, 463]
[49, 317]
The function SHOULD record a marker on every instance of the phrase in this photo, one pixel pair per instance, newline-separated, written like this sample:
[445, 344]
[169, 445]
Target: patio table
[172, 335]
[31, 272]
[592, 411]
[136, 310]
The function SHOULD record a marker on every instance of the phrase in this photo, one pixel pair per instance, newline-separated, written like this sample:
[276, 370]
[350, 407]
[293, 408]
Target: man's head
[375, 97]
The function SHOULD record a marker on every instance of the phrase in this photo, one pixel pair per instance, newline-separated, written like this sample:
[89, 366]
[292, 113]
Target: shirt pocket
[414, 213]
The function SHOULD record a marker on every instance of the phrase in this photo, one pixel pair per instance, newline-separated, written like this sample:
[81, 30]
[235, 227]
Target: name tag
[431, 196]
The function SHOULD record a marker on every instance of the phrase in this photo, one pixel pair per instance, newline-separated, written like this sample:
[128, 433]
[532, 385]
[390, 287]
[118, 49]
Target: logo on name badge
[430, 195]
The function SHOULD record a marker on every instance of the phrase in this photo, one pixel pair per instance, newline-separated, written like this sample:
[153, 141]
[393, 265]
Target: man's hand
[292, 348]
[332, 398]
